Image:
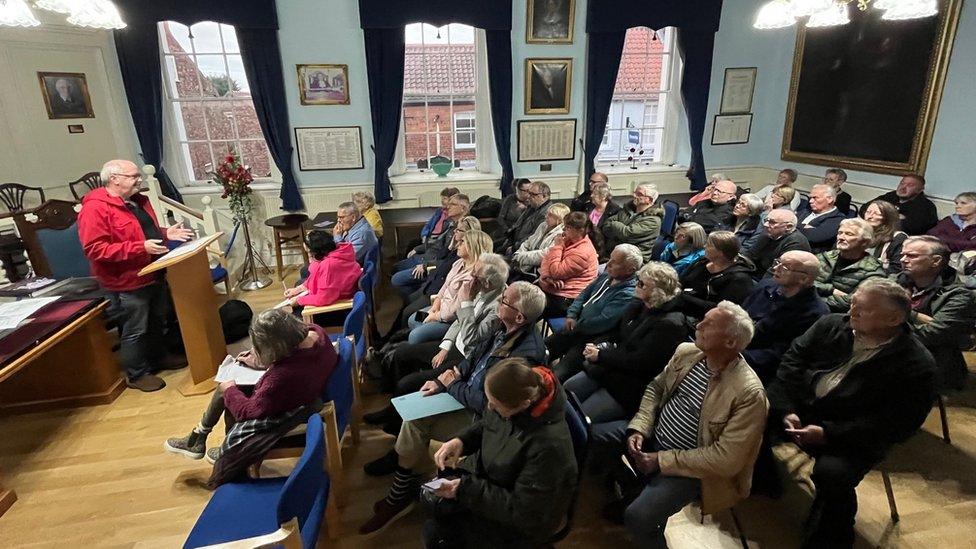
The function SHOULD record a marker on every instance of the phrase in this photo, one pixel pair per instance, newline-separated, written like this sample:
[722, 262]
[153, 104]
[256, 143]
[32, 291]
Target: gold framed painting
[548, 83]
[549, 21]
[65, 95]
[323, 84]
[865, 95]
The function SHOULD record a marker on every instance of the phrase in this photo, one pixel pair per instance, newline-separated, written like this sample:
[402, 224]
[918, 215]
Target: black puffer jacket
[703, 290]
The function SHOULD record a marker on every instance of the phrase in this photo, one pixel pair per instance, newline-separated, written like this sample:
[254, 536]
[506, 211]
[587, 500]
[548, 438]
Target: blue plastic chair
[670, 217]
[581, 431]
[553, 325]
[238, 511]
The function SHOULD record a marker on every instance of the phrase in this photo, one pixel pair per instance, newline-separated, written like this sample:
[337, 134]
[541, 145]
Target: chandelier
[99, 14]
[777, 14]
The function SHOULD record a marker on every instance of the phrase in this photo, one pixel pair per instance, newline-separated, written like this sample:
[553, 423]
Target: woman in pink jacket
[568, 267]
[333, 275]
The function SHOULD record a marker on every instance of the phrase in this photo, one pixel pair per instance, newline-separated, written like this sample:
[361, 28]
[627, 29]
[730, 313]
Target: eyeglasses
[777, 264]
[536, 194]
[509, 305]
[912, 255]
[716, 191]
[129, 175]
[640, 283]
[772, 222]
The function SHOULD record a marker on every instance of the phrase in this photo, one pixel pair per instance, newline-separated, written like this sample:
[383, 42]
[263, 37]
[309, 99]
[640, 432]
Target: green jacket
[629, 227]
[523, 471]
[845, 280]
[952, 307]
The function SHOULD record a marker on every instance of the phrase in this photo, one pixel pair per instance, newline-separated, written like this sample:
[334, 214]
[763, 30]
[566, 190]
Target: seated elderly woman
[600, 211]
[958, 231]
[528, 257]
[511, 491]
[298, 360]
[748, 213]
[366, 203]
[722, 274]
[333, 275]
[886, 246]
[784, 180]
[687, 248]
[568, 266]
[618, 367]
[442, 312]
[848, 265]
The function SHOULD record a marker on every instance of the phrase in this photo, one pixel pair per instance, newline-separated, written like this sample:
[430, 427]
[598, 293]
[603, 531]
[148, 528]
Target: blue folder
[416, 405]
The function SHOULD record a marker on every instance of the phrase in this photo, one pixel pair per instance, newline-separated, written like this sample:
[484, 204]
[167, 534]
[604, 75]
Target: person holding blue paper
[519, 309]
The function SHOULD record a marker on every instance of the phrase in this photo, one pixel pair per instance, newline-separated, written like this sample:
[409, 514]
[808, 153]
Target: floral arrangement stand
[236, 178]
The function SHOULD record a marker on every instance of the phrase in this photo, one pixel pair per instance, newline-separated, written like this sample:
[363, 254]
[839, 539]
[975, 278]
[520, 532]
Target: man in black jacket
[846, 391]
[819, 222]
[779, 236]
[715, 213]
[918, 213]
[519, 309]
[535, 212]
[782, 307]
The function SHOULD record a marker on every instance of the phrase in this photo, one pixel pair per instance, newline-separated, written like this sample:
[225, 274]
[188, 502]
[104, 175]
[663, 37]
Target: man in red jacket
[119, 233]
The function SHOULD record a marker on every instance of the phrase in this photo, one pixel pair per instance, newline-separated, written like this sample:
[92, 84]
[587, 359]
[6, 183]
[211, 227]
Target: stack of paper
[12, 314]
[288, 301]
[232, 370]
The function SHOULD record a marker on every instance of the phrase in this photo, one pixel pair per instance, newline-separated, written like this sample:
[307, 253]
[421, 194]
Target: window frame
[176, 140]
[472, 130]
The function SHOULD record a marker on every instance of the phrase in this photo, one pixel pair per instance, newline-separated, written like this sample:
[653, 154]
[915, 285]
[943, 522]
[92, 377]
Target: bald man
[779, 235]
[119, 233]
[715, 214]
[782, 307]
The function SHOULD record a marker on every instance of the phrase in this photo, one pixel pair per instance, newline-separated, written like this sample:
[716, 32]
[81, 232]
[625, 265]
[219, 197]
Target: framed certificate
[329, 148]
[740, 83]
[546, 140]
[731, 129]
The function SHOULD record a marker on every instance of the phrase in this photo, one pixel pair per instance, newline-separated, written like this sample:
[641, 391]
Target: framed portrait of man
[323, 84]
[550, 21]
[547, 85]
[65, 95]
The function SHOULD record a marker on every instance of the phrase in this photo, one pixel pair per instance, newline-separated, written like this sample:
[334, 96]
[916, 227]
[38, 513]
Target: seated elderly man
[782, 308]
[536, 208]
[847, 390]
[715, 213]
[779, 235]
[943, 311]
[527, 259]
[596, 310]
[819, 221]
[409, 273]
[353, 228]
[477, 319]
[519, 310]
[847, 266]
[512, 207]
[691, 448]
[637, 223]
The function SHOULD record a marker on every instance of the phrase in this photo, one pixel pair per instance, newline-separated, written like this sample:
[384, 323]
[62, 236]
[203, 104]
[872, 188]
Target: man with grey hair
[846, 391]
[637, 223]
[536, 208]
[779, 235]
[352, 227]
[596, 310]
[715, 213]
[673, 440]
[820, 220]
[943, 311]
[119, 233]
[519, 309]
[844, 268]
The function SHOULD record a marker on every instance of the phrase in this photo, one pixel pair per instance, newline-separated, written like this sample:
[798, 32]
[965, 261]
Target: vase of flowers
[235, 178]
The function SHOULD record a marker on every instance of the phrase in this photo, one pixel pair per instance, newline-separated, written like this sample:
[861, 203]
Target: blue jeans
[597, 403]
[421, 332]
[404, 282]
[663, 496]
[408, 263]
[142, 318]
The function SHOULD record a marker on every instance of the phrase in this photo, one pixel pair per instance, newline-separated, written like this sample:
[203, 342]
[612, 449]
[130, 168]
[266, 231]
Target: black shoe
[383, 466]
[380, 417]
[393, 427]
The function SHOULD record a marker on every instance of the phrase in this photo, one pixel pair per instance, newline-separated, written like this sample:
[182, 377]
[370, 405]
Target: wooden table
[61, 358]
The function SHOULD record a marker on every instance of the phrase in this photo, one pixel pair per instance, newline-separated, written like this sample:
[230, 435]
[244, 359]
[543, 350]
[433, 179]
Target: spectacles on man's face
[913, 255]
[777, 264]
[536, 194]
[772, 222]
[129, 175]
[508, 304]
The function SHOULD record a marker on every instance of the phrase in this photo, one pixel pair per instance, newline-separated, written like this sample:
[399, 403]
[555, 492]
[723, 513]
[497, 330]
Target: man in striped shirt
[699, 426]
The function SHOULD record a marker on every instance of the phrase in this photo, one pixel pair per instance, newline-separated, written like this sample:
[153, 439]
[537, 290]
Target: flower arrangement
[235, 178]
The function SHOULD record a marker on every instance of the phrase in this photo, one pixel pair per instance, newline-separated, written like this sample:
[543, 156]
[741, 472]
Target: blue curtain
[603, 51]
[696, 21]
[499, 46]
[385, 49]
[254, 14]
[383, 23]
[262, 64]
[138, 52]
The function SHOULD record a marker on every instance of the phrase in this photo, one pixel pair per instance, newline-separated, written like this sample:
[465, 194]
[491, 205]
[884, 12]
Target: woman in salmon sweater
[568, 267]
[333, 275]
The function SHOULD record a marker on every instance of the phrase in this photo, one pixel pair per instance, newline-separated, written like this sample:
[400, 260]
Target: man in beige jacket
[699, 427]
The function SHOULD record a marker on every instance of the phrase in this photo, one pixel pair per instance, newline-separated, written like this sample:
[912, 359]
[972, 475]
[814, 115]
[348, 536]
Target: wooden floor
[98, 477]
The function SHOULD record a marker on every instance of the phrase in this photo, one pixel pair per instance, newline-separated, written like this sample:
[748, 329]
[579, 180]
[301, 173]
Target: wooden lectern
[195, 300]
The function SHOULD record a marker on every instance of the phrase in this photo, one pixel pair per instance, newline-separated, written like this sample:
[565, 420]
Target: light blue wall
[737, 44]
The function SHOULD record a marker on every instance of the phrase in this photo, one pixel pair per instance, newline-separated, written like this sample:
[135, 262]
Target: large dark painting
[866, 95]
